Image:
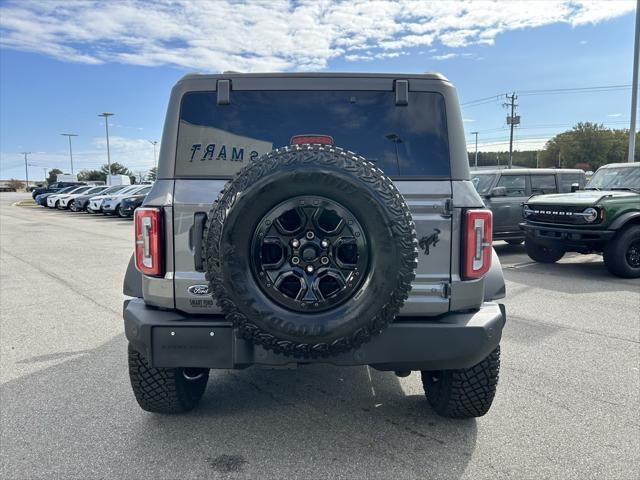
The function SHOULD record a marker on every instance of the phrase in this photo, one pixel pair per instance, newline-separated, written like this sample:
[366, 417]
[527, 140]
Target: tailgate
[430, 205]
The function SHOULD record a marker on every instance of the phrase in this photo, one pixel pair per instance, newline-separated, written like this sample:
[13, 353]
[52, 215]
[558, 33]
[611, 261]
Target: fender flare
[132, 286]
[494, 285]
[619, 222]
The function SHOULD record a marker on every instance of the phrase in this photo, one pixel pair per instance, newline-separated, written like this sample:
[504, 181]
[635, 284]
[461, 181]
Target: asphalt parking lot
[568, 402]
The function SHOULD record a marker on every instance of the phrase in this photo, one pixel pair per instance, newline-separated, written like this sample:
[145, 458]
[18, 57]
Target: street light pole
[106, 116]
[634, 92]
[69, 135]
[26, 168]
[476, 134]
[155, 158]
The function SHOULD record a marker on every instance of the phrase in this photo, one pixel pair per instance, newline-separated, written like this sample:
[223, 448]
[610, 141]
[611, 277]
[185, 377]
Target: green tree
[53, 174]
[588, 144]
[153, 174]
[116, 169]
[92, 176]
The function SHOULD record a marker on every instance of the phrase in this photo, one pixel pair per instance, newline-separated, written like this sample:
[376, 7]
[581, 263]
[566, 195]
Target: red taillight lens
[477, 243]
[148, 222]
[321, 139]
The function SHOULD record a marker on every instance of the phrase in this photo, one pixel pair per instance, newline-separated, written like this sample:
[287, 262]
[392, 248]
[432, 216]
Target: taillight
[477, 243]
[321, 139]
[148, 222]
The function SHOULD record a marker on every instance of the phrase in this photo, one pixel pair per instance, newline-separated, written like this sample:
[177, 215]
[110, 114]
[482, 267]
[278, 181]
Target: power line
[550, 91]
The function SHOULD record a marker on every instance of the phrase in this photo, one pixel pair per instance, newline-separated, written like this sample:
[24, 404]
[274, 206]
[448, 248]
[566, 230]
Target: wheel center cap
[309, 254]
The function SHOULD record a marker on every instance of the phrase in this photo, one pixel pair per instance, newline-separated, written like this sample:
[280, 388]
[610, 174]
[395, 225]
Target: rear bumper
[568, 237]
[173, 339]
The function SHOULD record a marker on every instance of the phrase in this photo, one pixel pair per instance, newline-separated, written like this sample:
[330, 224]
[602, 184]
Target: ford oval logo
[199, 289]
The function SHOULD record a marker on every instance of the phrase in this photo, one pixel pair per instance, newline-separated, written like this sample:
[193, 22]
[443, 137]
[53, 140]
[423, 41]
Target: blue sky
[62, 63]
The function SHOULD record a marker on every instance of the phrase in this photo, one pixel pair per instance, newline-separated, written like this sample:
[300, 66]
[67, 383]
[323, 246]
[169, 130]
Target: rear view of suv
[314, 218]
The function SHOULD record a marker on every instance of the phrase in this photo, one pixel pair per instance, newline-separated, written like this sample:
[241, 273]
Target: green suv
[604, 218]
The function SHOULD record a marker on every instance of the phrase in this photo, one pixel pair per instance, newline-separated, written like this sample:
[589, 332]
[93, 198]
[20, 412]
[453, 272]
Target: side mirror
[575, 187]
[498, 192]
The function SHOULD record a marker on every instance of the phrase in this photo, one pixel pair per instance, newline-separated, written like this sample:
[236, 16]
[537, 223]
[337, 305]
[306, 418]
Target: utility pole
[45, 173]
[512, 121]
[537, 158]
[106, 116]
[26, 167]
[155, 158]
[476, 134]
[634, 92]
[69, 135]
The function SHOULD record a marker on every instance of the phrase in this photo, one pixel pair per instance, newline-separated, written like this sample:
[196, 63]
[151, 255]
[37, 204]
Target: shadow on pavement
[78, 419]
[574, 277]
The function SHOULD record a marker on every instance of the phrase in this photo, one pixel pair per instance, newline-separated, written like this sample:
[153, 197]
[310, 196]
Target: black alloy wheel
[309, 254]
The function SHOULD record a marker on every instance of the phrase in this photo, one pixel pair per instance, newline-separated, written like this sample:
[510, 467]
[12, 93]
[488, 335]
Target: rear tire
[542, 253]
[119, 212]
[622, 253]
[464, 393]
[165, 390]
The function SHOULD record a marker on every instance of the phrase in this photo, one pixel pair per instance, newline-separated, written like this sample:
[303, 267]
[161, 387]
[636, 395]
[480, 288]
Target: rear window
[218, 140]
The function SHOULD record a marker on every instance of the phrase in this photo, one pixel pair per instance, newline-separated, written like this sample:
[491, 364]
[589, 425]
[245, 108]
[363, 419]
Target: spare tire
[310, 251]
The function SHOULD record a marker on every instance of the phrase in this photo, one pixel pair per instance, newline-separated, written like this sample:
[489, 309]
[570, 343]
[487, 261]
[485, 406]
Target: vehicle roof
[618, 165]
[516, 171]
[328, 75]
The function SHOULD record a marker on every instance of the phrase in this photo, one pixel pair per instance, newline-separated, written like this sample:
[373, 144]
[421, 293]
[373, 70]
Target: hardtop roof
[328, 75]
[516, 171]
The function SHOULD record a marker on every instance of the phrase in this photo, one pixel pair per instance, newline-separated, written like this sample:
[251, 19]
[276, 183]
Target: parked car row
[120, 200]
[554, 213]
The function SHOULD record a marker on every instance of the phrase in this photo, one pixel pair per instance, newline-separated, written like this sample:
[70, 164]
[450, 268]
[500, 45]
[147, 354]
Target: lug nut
[310, 235]
[324, 260]
[295, 260]
[324, 243]
[295, 243]
[309, 268]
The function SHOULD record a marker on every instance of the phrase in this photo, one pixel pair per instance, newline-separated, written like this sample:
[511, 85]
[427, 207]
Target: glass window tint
[482, 182]
[543, 184]
[567, 179]
[515, 185]
[409, 140]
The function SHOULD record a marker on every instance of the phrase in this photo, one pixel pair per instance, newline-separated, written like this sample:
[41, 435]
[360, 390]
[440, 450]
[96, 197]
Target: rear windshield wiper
[632, 189]
[592, 188]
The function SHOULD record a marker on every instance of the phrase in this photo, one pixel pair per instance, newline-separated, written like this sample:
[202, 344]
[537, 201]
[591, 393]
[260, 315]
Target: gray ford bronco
[314, 218]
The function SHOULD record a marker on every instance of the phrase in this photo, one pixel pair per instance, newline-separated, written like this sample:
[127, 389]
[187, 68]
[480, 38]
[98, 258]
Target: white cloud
[468, 120]
[614, 115]
[446, 56]
[271, 35]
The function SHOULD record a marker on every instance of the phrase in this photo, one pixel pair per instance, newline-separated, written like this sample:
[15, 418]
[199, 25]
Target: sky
[63, 63]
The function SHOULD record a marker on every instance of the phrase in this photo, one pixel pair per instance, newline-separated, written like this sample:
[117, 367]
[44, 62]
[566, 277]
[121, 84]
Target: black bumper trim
[170, 338]
[560, 234]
